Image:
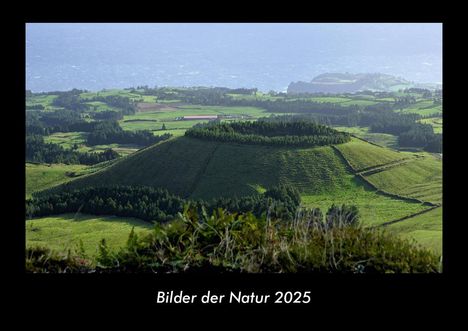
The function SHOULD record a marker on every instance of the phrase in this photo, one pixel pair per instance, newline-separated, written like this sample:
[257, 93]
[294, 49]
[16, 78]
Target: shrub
[44, 260]
[231, 242]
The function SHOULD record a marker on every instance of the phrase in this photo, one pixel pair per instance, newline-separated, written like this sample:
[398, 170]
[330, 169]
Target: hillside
[203, 169]
[348, 83]
[196, 168]
[416, 176]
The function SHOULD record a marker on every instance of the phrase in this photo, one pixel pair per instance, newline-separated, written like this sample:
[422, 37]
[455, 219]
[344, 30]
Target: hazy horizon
[268, 56]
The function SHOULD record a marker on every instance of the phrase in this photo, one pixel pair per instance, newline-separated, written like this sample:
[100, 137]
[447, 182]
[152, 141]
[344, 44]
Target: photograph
[233, 148]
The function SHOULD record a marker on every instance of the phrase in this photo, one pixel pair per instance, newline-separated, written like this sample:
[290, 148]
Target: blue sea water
[266, 56]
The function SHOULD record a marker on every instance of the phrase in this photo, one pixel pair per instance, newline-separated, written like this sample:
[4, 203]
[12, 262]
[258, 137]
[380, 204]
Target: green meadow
[42, 176]
[69, 139]
[382, 139]
[419, 178]
[362, 155]
[64, 232]
[425, 229]
[424, 108]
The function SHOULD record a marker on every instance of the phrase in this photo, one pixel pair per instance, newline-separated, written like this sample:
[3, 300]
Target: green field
[382, 139]
[97, 106]
[374, 208]
[68, 139]
[331, 99]
[423, 107]
[406, 174]
[44, 100]
[63, 232]
[419, 178]
[153, 120]
[426, 229]
[436, 122]
[362, 155]
[42, 176]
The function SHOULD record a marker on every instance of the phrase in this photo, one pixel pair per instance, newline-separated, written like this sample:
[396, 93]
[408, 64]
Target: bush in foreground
[224, 242]
[43, 260]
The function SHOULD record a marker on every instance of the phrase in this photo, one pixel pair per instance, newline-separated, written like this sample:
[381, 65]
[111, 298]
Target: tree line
[157, 204]
[421, 135]
[70, 100]
[409, 132]
[297, 133]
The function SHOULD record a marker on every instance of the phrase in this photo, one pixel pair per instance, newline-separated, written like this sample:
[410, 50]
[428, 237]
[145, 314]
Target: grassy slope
[362, 155]
[421, 179]
[382, 139]
[426, 229]
[42, 176]
[374, 208]
[64, 232]
[174, 164]
[192, 167]
[417, 177]
[202, 169]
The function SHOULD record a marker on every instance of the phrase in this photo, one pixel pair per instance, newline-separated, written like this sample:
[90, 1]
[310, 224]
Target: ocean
[266, 56]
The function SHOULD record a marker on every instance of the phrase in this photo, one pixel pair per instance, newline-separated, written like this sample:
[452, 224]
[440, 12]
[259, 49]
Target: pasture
[42, 176]
[153, 120]
[68, 139]
[419, 178]
[425, 229]
[64, 232]
[362, 155]
[382, 139]
[423, 107]
[436, 122]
